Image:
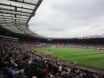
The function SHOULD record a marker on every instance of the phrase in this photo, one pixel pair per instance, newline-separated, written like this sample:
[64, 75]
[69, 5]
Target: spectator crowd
[73, 45]
[19, 61]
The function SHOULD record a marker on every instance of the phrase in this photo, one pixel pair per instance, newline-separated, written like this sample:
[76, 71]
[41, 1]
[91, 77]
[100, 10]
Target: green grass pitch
[84, 57]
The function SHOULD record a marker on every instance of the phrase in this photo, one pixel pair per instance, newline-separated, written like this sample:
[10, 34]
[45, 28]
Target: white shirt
[60, 68]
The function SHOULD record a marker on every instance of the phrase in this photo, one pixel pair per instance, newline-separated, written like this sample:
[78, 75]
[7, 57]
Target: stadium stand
[18, 61]
[72, 45]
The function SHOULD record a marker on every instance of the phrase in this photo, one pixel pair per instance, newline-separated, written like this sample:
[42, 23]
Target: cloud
[68, 18]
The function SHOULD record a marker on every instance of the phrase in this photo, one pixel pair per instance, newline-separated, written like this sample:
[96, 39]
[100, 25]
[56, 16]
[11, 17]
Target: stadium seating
[14, 56]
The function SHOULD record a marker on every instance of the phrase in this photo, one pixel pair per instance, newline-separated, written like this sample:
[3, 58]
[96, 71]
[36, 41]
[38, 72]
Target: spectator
[21, 74]
[34, 77]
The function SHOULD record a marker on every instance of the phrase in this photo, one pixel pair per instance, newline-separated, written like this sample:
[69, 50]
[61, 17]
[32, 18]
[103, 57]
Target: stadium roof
[15, 15]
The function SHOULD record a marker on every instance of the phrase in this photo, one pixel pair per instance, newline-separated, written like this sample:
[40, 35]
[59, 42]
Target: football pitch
[84, 57]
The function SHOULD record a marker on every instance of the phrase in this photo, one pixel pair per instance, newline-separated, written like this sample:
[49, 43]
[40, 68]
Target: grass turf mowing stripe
[85, 57]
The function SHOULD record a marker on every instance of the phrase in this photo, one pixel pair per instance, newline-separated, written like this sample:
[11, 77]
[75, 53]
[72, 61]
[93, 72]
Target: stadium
[25, 54]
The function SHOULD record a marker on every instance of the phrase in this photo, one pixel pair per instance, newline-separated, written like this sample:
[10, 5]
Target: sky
[68, 18]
